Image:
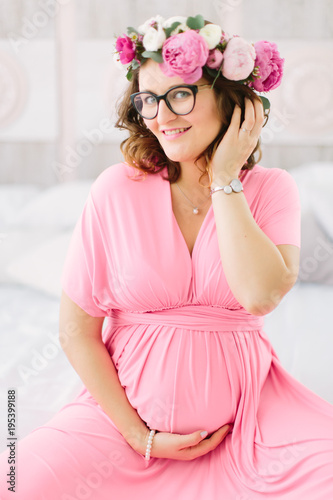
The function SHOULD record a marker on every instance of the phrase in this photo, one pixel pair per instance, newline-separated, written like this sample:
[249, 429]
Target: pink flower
[214, 59]
[270, 66]
[184, 55]
[126, 49]
[238, 59]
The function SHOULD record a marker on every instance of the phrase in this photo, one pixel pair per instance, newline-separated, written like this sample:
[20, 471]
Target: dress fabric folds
[188, 354]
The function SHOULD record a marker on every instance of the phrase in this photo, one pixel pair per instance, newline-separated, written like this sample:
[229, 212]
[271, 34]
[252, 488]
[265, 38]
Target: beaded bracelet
[149, 445]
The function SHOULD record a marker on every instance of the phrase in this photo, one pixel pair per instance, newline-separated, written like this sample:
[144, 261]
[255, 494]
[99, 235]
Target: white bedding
[301, 331]
[31, 358]
[35, 228]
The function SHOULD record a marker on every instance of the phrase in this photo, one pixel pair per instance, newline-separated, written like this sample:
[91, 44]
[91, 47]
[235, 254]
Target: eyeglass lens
[180, 100]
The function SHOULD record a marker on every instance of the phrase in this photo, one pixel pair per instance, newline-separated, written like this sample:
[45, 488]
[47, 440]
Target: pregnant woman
[179, 253]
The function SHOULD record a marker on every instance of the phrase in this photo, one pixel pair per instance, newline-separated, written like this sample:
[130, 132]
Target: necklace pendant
[195, 210]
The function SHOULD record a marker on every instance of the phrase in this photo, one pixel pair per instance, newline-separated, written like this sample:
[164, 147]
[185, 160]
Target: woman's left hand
[238, 142]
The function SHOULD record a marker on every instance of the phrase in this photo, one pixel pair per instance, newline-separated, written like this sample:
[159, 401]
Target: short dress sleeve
[83, 273]
[279, 214]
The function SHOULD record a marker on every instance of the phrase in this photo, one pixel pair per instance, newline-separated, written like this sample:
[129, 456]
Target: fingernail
[203, 434]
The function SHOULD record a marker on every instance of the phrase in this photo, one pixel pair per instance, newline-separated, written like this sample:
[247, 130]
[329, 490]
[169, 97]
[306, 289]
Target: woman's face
[201, 126]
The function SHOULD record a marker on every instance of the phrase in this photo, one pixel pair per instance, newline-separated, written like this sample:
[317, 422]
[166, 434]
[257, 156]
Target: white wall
[59, 84]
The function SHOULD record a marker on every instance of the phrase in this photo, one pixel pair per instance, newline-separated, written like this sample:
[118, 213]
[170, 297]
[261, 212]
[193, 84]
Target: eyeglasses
[180, 100]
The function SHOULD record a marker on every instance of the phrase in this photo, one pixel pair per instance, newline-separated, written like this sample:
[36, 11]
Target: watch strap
[229, 188]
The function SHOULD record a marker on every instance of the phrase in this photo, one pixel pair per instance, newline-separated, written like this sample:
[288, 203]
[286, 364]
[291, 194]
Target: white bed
[35, 228]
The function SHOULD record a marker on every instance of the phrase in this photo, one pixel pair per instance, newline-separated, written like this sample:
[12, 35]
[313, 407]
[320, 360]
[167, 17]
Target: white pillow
[307, 172]
[299, 329]
[59, 206]
[322, 203]
[315, 184]
[42, 267]
[13, 197]
[316, 259]
[16, 244]
[311, 178]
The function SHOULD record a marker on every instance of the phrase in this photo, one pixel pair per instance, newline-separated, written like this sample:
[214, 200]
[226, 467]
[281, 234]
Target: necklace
[195, 208]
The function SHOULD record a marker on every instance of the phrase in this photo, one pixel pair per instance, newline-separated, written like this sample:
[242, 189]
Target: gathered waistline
[193, 317]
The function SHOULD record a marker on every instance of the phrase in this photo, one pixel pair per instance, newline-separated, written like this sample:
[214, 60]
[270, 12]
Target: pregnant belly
[180, 380]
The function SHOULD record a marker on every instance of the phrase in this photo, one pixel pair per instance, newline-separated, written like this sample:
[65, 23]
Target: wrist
[137, 438]
[149, 445]
[223, 179]
[234, 186]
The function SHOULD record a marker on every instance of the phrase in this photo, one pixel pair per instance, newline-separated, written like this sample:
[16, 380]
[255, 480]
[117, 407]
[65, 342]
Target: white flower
[153, 39]
[148, 24]
[116, 57]
[133, 36]
[180, 27]
[212, 33]
[175, 19]
[117, 61]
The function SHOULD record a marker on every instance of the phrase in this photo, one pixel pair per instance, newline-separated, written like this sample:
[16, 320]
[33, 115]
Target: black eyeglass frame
[194, 88]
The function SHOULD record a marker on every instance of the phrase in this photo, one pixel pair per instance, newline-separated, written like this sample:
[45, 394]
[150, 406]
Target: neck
[189, 179]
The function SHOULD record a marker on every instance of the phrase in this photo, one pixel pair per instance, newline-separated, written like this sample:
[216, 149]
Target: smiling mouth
[175, 131]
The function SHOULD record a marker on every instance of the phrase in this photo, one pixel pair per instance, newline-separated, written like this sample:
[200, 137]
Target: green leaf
[129, 75]
[131, 30]
[265, 102]
[135, 64]
[173, 26]
[155, 56]
[216, 77]
[242, 82]
[195, 23]
[212, 72]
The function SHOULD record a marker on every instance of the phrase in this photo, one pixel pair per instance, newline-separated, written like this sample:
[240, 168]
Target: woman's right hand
[185, 446]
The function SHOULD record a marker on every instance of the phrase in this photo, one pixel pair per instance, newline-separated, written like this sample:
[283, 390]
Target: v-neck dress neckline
[179, 231]
[204, 222]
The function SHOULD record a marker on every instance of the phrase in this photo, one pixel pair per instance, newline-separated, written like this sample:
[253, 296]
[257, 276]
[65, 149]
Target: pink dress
[189, 356]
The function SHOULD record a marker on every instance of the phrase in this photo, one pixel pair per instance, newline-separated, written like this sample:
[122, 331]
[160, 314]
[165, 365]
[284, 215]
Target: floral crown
[183, 46]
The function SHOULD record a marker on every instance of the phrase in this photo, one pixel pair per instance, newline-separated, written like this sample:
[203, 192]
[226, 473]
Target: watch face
[227, 189]
[236, 185]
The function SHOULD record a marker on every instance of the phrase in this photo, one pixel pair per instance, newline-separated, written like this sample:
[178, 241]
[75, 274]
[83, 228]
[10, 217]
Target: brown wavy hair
[143, 151]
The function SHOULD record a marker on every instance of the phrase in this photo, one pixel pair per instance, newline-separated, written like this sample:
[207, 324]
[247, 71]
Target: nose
[164, 113]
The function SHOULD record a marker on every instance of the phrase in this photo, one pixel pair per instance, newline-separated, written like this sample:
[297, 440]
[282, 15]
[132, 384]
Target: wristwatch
[235, 186]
